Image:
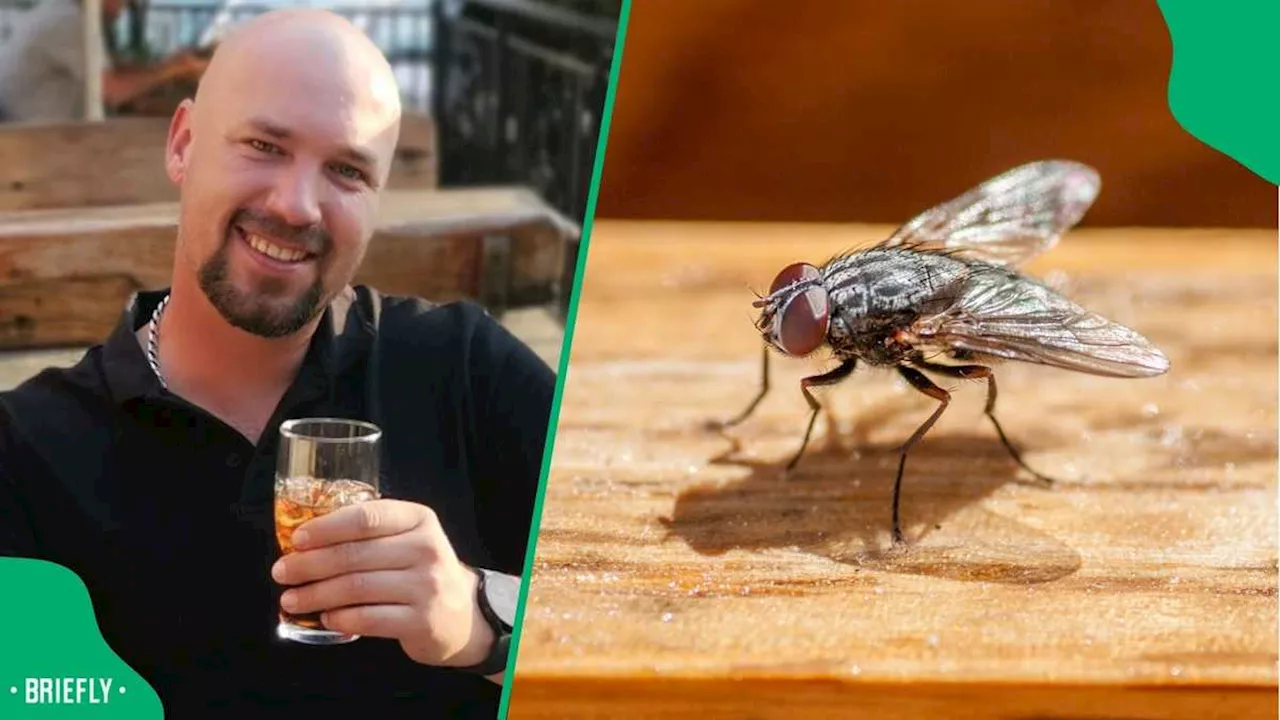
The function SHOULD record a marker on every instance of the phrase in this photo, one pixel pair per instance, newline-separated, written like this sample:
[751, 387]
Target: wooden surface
[843, 110]
[677, 576]
[65, 274]
[120, 161]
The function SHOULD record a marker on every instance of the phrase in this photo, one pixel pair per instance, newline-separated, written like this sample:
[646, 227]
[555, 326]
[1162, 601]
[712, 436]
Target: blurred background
[503, 103]
[869, 111]
[515, 88]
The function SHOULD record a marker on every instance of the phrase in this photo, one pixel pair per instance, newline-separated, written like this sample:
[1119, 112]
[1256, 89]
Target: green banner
[1222, 86]
[54, 662]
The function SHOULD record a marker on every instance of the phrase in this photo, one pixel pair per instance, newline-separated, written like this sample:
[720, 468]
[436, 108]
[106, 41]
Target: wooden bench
[120, 161]
[88, 216]
[65, 274]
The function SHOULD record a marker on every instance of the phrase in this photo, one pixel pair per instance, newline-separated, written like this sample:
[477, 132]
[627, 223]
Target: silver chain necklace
[153, 355]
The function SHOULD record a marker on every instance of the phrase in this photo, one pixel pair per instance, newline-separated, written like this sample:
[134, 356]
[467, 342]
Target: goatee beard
[246, 312]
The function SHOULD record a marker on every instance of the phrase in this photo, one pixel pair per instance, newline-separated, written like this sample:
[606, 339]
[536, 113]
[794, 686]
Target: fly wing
[1007, 219]
[1005, 315]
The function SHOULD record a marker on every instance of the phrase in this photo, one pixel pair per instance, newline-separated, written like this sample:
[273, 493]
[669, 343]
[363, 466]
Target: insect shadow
[836, 506]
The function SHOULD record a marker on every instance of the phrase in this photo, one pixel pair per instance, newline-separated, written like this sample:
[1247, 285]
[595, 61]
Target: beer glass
[323, 464]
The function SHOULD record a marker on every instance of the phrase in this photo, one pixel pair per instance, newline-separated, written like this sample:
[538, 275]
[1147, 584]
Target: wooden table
[677, 576]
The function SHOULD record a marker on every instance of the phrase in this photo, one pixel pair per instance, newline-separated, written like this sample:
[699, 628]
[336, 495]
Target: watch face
[502, 592]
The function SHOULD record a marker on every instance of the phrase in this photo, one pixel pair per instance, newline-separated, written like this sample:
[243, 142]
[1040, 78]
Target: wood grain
[65, 274]
[677, 574]
[120, 161]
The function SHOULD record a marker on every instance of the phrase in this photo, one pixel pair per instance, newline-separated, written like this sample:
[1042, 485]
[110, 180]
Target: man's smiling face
[280, 161]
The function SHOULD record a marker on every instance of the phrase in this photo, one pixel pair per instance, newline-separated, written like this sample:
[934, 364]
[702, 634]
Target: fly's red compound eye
[802, 322]
[791, 274]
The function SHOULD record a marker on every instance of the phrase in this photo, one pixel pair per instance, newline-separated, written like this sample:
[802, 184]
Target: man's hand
[123, 85]
[384, 568]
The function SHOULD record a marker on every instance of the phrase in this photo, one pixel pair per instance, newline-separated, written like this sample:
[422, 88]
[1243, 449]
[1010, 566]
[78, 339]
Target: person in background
[43, 65]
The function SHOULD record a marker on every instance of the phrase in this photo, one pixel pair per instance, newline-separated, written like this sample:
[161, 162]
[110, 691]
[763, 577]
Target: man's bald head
[314, 55]
[285, 148]
[302, 35]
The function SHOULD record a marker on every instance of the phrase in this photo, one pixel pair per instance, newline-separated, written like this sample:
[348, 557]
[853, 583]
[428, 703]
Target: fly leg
[764, 390]
[971, 372]
[926, 386]
[828, 378]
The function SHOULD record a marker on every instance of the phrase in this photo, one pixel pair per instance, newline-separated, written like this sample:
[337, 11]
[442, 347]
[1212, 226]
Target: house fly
[943, 295]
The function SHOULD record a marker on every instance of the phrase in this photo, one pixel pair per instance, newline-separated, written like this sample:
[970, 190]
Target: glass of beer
[323, 464]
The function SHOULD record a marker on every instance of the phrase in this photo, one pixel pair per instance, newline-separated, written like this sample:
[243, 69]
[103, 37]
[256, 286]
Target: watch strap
[496, 661]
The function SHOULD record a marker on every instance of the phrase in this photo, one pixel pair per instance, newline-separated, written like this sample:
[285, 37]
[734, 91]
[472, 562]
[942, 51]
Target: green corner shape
[1222, 86]
[54, 662]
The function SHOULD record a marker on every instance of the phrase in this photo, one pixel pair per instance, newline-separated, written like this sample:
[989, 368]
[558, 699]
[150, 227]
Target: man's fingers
[396, 552]
[362, 588]
[375, 518]
[385, 621]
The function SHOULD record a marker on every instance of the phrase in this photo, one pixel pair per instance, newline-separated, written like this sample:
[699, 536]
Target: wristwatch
[497, 595]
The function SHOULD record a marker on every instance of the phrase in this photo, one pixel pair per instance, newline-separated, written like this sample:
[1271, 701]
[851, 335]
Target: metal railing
[520, 96]
[401, 30]
[519, 100]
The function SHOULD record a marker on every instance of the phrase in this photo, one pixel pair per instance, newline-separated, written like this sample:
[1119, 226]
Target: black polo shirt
[165, 511]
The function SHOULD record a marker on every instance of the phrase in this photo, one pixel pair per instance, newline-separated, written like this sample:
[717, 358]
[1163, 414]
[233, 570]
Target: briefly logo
[66, 691]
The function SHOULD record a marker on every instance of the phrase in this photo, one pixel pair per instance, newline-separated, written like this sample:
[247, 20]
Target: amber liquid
[298, 499]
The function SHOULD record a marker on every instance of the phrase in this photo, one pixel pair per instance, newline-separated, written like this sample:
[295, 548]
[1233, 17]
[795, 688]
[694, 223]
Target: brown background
[864, 110]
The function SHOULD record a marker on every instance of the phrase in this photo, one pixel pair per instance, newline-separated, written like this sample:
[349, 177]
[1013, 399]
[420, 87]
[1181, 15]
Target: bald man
[148, 467]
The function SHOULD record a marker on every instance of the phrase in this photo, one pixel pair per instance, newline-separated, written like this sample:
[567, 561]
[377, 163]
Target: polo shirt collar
[340, 340]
